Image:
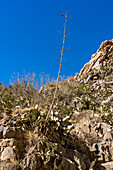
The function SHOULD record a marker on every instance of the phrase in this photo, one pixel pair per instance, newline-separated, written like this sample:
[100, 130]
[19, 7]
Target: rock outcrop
[103, 57]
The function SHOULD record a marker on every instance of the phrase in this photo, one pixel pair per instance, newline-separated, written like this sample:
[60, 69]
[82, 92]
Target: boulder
[12, 132]
[67, 164]
[9, 132]
[8, 142]
[8, 154]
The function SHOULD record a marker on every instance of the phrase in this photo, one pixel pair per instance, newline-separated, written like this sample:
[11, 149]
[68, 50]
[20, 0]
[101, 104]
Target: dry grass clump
[32, 138]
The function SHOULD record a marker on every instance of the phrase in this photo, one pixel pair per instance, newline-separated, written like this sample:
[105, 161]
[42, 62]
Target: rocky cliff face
[79, 135]
[102, 58]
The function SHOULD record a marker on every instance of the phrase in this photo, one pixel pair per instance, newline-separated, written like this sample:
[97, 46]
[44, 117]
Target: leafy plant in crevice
[36, 118]
[6, 102]
[47, 150]
[92, 165]
[32, 116]
[81, 92]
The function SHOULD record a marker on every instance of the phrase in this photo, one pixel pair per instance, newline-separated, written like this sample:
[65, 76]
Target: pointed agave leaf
[92, 164]
[46, 149]
[52, 154]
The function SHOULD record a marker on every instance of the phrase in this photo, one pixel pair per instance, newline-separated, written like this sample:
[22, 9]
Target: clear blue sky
[29, 38]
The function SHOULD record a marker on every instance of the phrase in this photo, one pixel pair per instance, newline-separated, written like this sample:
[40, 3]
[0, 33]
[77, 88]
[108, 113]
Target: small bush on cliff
[56, 131]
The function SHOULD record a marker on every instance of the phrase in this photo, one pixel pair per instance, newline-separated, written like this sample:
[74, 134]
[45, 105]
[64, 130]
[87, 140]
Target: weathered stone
[9, 132]
[8, 154]
[12, 132]
[67, 165]
[7, 165]
[31, 162]
[98, 59]
[108, 165]
[8, 142]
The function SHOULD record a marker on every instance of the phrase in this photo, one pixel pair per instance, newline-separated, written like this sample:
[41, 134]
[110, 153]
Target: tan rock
[6, 165]
[9, 132]
[12, 132]
[8, 154]
[108, 165]
[98, 59]
[8, 142]
[67, 164]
